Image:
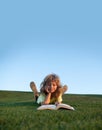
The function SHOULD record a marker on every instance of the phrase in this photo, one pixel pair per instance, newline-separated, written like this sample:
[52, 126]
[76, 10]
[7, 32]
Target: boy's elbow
[45, 103]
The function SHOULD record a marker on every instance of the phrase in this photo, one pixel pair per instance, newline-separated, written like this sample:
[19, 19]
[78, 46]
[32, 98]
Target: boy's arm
[47, 99]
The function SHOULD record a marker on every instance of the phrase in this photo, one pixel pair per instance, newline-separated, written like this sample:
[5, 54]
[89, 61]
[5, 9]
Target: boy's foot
[64, 89]
[34, 89]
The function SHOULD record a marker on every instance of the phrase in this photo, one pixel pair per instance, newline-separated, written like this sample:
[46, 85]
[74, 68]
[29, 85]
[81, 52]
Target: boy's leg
[34, 89]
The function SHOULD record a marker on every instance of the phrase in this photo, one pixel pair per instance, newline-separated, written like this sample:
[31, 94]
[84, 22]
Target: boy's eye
[54, 84]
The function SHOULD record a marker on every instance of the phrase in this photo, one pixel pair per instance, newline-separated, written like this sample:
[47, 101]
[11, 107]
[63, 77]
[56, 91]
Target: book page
[49, 107]
[65, 106]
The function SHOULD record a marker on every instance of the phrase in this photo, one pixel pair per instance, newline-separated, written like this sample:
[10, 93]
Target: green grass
[19, 112]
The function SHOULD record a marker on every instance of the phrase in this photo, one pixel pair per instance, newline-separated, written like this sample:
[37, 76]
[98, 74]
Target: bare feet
[65, 88]
[34, 89]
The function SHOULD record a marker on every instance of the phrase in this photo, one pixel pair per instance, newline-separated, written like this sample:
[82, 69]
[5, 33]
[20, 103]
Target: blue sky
[42, 37]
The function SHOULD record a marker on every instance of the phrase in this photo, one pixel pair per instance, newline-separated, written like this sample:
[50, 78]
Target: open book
[55, 107]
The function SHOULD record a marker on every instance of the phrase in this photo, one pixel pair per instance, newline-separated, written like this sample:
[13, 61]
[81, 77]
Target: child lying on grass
[51, 90]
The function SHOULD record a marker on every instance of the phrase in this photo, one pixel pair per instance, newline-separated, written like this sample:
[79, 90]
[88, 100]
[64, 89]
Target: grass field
[18, 112]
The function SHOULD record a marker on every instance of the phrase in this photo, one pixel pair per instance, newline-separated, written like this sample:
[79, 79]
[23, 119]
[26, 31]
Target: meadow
[18, 111]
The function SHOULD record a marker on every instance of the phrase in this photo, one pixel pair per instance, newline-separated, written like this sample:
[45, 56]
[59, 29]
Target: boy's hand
[47, 89]
[56, 103]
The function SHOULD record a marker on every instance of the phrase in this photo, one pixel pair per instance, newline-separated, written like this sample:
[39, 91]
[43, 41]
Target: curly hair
[48, 79]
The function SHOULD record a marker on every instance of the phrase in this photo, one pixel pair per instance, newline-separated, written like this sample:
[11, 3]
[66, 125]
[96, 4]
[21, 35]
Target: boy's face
[51, 87]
